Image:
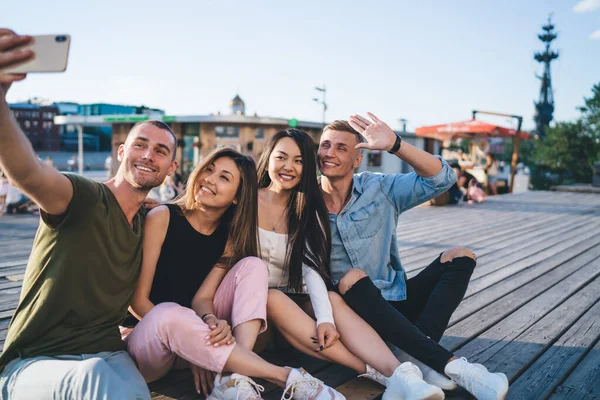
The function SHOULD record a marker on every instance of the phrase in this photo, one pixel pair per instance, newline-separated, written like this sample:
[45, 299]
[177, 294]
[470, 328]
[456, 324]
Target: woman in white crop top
[295, 244]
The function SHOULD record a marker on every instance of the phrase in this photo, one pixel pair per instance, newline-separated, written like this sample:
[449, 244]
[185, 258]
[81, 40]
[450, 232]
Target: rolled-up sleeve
[409, 190]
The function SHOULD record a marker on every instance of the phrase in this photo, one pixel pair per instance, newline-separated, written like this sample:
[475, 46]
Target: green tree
[569, 149]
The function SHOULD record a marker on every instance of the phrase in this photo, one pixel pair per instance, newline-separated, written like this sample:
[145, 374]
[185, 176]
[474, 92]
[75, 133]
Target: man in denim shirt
[364, 208]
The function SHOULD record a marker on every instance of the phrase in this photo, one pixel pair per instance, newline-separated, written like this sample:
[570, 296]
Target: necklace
[279, 221]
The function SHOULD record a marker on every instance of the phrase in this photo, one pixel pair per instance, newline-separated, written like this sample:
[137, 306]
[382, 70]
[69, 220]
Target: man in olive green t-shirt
[63, 340]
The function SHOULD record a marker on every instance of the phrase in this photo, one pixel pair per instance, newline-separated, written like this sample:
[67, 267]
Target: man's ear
[120, 152]
[172, 168]
[358, 161]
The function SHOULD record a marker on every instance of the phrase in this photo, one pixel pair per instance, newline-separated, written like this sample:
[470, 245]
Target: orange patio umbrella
[477, 129]
[467, 129]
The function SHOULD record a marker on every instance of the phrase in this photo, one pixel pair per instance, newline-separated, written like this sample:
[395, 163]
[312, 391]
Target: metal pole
[516, 143]
[324, 103]
[80, 148]
[515, 155]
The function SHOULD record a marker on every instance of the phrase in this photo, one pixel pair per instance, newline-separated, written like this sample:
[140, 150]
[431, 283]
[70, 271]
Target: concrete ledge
[577, 188]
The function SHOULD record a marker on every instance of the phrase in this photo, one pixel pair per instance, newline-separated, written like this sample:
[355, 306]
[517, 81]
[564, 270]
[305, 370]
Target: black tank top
[186, 258]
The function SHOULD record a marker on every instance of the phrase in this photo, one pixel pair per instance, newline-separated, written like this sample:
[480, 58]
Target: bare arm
[381, 137]
[424, 163]
[43, 184]
[202, 303]
[155, 231]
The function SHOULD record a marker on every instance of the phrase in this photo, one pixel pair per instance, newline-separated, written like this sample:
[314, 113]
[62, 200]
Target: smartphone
[51, 55]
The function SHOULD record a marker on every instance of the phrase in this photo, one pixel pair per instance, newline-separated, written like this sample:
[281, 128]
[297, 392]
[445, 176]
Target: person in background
[48, 161]
[4, 186]
[108, 165]
[491, 169]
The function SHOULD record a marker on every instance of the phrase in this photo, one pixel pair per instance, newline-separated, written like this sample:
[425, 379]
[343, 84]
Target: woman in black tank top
[202, 294]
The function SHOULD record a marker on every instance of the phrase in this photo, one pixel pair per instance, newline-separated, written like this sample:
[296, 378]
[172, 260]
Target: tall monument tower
[544, 107]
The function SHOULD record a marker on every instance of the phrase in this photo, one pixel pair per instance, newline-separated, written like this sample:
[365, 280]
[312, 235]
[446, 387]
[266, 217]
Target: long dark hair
[241, 217]
[309, 235]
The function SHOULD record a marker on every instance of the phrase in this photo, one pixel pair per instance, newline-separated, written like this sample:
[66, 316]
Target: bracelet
[207, 315]
[396, 145]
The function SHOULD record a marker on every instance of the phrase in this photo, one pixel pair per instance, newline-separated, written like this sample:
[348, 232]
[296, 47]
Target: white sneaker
[407, 383]
[374, 375]
[235, 387]
[430, 375]
[478, 381]
[301, 385]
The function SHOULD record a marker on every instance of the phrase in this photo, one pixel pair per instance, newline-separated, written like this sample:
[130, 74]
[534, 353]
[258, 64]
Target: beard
[144, 183]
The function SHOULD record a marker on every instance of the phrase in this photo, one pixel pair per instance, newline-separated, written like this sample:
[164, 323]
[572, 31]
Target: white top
[3, 186]
[493, 169]
[273, 247]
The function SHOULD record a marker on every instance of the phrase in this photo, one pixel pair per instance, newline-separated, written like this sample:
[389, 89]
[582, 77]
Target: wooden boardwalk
[531, 310]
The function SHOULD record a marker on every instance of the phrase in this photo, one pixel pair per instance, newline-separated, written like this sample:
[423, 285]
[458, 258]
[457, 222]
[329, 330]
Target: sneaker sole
[443, 386]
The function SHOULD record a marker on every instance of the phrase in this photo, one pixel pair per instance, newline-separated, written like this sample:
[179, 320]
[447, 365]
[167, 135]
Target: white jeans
[101, 376]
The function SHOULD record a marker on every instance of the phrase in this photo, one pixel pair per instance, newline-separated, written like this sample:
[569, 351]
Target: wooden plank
[5, 284]
[584, 381]
[14, 262]
[505, 270]
[510, 253]
[483, 244]
[472, 303]
[570, 393]
[530, 300]
[360, 389]
[511, 349]
[433, 237]
[540, 379]
[492, 247]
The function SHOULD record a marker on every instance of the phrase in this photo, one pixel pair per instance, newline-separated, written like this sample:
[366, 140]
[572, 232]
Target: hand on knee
[457, 252]
[350, 278]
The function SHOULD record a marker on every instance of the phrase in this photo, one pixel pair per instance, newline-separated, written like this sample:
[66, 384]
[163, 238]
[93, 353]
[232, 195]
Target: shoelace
[248, 387]
[412, 373]
[470, 374]
[298, 386]
[374, 375]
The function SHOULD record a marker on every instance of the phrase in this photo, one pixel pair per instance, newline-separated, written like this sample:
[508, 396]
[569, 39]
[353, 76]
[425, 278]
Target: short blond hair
[343, 126]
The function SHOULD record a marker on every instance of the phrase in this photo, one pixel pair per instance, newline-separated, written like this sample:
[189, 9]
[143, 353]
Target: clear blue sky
[426, 61]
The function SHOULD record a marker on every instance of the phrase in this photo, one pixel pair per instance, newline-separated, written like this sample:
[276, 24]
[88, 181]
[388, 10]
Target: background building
[36, 118]
[198, 135]
[37, 121]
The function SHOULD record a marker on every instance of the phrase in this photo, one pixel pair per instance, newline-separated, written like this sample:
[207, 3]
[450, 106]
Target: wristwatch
[396, 145]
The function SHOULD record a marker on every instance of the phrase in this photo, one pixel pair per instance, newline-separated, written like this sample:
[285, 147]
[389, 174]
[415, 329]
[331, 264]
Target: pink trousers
[173, 336]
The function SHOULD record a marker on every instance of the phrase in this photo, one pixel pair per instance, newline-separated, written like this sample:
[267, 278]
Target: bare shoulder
[158, 216]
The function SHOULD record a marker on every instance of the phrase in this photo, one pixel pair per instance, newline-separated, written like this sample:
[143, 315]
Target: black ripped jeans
[416, 325]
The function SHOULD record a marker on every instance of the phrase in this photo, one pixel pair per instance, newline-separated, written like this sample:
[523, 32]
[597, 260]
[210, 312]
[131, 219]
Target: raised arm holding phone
[63, 340]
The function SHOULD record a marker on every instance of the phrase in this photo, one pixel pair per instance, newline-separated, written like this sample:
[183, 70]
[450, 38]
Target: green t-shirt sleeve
[85, 196]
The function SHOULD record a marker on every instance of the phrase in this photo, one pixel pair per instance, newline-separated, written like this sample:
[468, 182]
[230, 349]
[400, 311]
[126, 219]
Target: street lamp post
[403, 122]
[322, 101]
